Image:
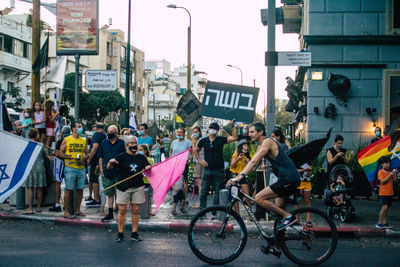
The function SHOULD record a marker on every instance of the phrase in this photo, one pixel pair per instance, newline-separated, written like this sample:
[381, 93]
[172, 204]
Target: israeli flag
[58, 169]
[17, 158]
[132, 122]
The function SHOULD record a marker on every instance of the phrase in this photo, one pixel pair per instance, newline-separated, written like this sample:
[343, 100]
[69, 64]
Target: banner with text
[77, 27]
[229, 101]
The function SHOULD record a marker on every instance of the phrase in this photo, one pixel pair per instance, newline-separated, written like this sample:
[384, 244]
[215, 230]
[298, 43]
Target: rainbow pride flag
[369, 156]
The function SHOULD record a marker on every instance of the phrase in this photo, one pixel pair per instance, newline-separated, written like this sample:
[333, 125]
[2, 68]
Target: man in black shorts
[283, 168]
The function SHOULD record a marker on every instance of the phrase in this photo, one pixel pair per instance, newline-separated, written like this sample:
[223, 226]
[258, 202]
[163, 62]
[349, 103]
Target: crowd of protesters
[107, 156]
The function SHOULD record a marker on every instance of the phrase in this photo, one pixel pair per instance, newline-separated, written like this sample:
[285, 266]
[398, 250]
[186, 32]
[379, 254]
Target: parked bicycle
[223, 240]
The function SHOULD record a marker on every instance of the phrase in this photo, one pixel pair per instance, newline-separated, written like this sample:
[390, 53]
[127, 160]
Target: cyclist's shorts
[284, 189]
[306, 186]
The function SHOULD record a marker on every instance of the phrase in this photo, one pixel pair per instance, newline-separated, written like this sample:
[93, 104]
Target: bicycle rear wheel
[217, 241]
[309, 245]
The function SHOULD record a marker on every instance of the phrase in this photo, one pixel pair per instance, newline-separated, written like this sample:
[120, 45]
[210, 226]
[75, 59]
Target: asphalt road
[37, 244]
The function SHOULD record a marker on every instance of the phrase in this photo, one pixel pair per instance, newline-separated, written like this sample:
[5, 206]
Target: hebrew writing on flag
[229, 101]
[16, 166]
[369, 156]
[165, 174]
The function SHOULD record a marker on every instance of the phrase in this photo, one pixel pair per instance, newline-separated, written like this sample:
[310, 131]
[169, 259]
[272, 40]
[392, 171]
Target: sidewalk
[362, 225]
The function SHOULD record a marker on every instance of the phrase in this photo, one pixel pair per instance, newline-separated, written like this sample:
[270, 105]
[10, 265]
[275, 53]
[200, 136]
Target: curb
[357, 231]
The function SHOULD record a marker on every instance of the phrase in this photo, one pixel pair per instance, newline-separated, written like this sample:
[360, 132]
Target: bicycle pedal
[272, 251]
[275, 252]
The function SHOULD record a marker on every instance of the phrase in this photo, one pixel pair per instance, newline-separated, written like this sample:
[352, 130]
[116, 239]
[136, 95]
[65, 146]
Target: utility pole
[271, 69]
[128, 68]
[35, 49]
[77, 91]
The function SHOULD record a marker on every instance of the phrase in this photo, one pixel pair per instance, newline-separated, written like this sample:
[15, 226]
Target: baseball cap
[214, 125]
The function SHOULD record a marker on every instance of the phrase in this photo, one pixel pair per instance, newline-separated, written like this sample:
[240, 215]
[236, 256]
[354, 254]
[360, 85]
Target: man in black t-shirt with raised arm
[213, 160]
[131, 191]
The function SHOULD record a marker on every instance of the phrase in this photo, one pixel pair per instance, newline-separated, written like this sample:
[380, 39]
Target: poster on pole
[230, 101]
[77, 27]
[101, 80]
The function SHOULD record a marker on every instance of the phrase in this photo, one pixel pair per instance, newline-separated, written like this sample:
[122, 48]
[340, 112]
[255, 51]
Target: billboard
[229, 101]
[77, 27]
[101, 80]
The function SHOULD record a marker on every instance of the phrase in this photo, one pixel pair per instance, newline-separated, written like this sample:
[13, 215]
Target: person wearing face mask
[378, 136]
[245, 134]
[131, 191]
[143, 150]
[109, 149]
[336, 155]
[180, 188]
[27, 123]
[144, 138]
[93, 163]
[75, 154]
[213, 161]
[156, 150]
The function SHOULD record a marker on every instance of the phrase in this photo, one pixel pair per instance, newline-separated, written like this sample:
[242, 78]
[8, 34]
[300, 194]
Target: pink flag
[163, 175]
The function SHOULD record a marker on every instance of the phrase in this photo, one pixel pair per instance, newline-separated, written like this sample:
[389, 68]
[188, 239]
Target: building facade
[358, 39]
[15, 57]
[112, 56]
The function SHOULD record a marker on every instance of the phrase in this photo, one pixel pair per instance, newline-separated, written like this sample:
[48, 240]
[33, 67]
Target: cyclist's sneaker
[387, 226]
[380, 225]
[287, 222]
[108, 217]
[135, 237]
[214, 217]
[120, 237]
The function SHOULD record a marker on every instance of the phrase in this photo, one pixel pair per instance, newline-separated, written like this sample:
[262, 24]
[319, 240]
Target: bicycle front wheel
[217, 236]
[309, 245]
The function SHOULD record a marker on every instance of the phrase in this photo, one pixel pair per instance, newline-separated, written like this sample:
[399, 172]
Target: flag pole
[126, 179]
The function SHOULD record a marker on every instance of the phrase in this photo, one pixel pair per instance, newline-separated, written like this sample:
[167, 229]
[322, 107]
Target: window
[18, 48]
[27, 51]
[393, 17]
[123, 53]
[1, 43]
[8, 44]
[10, 86]
[108, 66]
[109, 52]
[390, 95]
[28, 91]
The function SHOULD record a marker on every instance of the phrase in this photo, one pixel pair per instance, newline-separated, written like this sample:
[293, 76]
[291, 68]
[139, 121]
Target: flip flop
[80, 214]
[68, 217]
[38, 211]
[27, 213]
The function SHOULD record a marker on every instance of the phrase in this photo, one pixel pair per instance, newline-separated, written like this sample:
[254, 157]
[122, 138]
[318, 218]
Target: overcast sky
[223, 32]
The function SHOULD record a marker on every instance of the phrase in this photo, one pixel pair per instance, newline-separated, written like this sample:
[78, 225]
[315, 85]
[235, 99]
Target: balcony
[14, 64]
[15, 29]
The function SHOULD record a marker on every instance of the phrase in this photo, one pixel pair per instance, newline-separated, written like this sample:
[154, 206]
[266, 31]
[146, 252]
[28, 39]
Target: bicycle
[223, 240]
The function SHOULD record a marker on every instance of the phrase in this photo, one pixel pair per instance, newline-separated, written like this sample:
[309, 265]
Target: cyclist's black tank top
[283, 167]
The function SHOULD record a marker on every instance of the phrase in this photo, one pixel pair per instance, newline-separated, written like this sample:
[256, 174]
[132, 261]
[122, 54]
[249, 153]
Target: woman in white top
[39, 121]
[197, 168]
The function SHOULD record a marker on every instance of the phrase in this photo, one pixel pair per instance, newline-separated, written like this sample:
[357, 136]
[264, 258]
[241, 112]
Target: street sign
[229, 101]
[101, 80]
[294, 59]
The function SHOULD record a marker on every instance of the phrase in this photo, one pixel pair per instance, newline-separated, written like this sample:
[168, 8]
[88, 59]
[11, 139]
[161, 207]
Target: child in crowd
[51, 117]
[339, 184]
[27, 123]
[386, 178]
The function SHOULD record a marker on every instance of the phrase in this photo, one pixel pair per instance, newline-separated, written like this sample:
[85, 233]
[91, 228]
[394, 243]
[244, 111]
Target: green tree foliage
[167, 125]
[282, 117]
[13, 98]
[94, 105]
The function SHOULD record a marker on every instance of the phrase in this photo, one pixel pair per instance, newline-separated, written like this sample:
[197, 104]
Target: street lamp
[189, 82]
[241, 72]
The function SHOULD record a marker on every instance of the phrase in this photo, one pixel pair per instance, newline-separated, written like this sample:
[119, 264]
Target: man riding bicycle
[282, 167]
